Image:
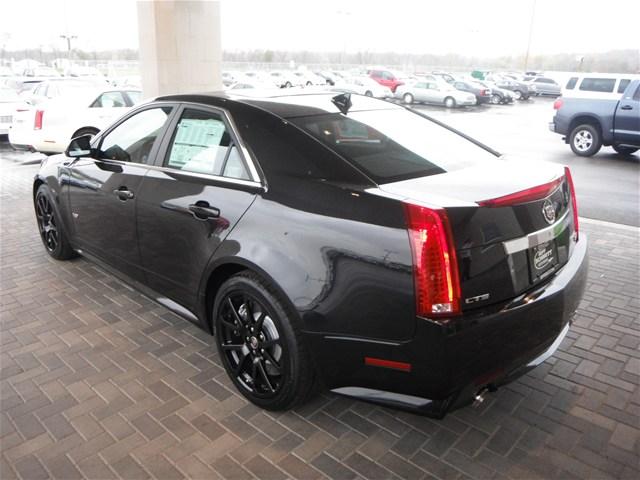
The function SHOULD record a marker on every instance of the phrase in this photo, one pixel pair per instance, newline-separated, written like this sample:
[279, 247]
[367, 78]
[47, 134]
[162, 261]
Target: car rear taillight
[37, 123]
[524, 196]
[557, 105]
[574, 202]
[483, 93]
[435, 267]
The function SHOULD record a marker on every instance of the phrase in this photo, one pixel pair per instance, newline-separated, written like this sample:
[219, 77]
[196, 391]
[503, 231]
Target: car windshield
[394, 145]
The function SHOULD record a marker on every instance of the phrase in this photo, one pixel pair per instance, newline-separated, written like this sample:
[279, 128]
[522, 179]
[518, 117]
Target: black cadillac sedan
[327, 240]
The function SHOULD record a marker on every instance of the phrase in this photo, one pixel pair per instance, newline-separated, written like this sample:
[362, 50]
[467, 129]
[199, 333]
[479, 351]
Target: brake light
[574, 201]
[435, 267]
[523, 196]
[37, 123]
[557, 105]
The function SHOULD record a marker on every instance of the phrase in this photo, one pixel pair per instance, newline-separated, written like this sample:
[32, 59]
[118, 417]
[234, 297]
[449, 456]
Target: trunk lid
[502, 250]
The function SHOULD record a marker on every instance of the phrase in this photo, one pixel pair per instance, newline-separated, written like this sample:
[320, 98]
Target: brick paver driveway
[98, 381]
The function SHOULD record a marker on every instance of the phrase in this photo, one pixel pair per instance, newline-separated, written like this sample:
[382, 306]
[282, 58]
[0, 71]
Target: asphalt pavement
[607, 184]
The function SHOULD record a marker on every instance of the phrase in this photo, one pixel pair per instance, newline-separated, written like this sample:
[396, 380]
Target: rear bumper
[450, 363]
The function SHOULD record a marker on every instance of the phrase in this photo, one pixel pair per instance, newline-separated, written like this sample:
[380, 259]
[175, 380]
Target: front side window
[604, 85]
[202, 144]
[133, 139]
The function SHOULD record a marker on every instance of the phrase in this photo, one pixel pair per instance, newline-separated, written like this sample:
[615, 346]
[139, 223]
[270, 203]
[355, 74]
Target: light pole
[526, 57]
[68, 38]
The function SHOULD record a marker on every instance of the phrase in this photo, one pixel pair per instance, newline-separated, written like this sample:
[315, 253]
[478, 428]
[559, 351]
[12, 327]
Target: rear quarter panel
[341, 257]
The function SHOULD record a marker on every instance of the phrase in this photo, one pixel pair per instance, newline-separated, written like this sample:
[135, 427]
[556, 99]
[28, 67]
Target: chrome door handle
[123, 194]
[203, 211]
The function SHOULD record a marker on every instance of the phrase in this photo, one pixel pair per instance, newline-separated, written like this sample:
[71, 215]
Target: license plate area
[543, 259]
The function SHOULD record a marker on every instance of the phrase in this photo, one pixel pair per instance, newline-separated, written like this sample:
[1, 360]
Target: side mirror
[80, 147]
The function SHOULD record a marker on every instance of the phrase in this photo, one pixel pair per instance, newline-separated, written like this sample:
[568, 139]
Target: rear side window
[571, 83]
[603, 85]
[624, 83]
[202, 144]
[394, 145]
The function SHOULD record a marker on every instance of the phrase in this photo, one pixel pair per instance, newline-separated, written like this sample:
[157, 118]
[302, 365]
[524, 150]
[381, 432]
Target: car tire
[518, 94]
[585, 140]
[287, 85]
[625, 150]
[368, 93]
[260, 343]
[407, 98]
[51, 226]
[450, 102]
[495, 99]
[85, 131]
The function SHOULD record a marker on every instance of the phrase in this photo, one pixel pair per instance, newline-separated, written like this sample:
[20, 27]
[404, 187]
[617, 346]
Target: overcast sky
[468, 27]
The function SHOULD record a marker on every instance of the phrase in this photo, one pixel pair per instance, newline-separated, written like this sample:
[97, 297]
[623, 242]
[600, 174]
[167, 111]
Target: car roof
[283, 104]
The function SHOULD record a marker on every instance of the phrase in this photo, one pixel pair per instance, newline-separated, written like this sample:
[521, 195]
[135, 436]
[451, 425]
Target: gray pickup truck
[589, 123]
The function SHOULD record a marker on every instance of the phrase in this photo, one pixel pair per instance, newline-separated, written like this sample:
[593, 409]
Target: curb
[602, 223]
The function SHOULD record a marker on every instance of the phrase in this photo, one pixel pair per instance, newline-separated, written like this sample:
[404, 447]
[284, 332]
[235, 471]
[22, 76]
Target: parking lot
[99, 382]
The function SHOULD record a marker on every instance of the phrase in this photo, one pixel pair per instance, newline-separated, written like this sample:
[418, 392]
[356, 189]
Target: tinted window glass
[110, 100]
[393, 145]
[133, 139]
[636, 96]
[604, 85]
[234, 166]
[544, 80]
[134, 95]
[200, 143]
[624, 83]
[572, 83]
[284, 151]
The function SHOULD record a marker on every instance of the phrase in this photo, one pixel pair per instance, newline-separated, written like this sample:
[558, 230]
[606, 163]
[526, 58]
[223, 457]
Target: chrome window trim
[207, 176]
[536, 238]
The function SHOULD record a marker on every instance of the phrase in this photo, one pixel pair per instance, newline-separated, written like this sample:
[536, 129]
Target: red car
[386, 78]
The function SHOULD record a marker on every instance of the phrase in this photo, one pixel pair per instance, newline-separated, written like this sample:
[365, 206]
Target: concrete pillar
[180, 49]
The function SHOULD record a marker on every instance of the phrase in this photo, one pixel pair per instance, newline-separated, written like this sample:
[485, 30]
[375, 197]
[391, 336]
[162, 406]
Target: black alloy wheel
[50, 225]
[260, 346]
[47, 223]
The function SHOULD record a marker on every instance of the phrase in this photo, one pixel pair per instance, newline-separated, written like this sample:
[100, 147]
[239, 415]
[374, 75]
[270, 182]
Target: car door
[627, 119]
[190, 200]
[434, 94]
[103, 190]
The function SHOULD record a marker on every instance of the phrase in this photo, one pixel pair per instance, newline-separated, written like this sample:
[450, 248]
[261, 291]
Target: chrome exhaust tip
[478, 399]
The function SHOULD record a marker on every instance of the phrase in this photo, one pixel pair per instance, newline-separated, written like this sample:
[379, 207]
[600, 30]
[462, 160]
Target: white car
[309, 78]
[10, 102]
[284, 79]
[439, 93]
[50, 125]
[54, 88]
[364, 86]
[249, 84]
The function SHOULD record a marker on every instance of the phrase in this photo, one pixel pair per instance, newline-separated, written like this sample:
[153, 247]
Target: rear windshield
[393, 145]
